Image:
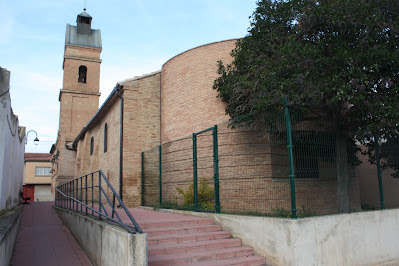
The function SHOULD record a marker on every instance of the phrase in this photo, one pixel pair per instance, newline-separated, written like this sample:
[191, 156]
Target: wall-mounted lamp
[36, 140]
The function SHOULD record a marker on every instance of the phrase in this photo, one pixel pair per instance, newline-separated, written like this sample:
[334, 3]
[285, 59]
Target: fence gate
[206, 198]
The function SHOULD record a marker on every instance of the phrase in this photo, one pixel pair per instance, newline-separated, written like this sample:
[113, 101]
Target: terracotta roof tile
[38, 157]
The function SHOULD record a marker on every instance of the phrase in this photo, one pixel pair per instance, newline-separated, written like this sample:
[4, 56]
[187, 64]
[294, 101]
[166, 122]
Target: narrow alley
[43, 240]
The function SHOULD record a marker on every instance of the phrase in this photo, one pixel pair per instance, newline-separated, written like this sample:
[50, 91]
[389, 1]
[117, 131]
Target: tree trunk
[342, 173]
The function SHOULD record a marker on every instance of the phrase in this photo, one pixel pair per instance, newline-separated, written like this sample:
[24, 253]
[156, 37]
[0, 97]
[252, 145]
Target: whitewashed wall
[12, 148]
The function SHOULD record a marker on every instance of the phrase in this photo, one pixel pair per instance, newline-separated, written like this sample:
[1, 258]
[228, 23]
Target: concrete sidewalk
[43, 239]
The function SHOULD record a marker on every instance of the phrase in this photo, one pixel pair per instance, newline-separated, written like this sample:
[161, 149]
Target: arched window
[105, 137]
[91, 145]
[82, 74]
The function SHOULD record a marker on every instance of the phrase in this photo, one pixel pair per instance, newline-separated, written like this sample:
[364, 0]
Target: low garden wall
[362, 238]
[103, 242]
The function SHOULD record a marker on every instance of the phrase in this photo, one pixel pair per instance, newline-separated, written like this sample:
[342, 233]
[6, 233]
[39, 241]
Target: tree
[336, 59]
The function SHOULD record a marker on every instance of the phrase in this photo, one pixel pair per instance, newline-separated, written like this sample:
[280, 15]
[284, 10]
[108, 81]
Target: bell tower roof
[83, 14]
[82, 34]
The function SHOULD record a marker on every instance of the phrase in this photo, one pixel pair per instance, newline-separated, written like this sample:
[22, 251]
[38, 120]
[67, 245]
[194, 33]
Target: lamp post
[35, 141]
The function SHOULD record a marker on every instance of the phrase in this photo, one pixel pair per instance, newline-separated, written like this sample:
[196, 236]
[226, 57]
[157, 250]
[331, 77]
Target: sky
[138, 37]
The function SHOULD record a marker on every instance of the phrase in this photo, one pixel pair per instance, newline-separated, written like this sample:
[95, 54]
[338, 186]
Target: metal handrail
[66, 198]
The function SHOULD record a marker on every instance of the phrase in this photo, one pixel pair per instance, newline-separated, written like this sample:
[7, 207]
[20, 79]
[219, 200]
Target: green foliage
[336, 59]
[205, 195]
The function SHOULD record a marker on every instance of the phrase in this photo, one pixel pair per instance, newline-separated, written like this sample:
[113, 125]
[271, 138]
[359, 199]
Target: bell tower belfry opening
[79, 95]
[84, 23]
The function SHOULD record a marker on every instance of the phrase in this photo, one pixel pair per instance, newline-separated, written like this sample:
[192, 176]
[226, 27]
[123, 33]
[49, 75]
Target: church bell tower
[79, 96]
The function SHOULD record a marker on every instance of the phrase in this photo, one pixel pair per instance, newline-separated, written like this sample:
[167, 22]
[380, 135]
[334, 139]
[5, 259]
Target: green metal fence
[150, 177]
[294, 166]
[206, 170]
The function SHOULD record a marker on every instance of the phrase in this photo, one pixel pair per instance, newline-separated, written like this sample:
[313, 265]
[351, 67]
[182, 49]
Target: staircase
[194, 240]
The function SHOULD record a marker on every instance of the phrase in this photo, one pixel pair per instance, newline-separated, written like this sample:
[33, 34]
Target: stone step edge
[203, 245]
[244, 260]
[168, 223]
[183, 228]
[202, 255]
[187, 238]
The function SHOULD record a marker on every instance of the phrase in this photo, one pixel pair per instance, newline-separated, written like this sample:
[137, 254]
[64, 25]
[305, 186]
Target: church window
[105, 137]
[91, 145]
[82, 74]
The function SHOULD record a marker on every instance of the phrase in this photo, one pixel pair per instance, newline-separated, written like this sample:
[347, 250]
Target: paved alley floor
[44, 240]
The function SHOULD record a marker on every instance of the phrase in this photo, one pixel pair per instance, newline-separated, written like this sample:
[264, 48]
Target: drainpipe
[120, 144]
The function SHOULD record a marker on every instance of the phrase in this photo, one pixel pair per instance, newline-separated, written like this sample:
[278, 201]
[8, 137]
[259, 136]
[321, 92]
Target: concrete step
[175, 223]
[237, 261]
[182, 229]
[193, 246]
[179, 238]
[200, 256]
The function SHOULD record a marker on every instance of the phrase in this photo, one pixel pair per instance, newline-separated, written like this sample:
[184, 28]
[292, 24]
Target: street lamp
[36, 140]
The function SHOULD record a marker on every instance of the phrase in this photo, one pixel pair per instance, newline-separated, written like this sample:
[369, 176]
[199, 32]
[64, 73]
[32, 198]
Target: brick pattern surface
[189, 104]
[78, 103]
[253, 172]
[140, 132]
[76, 56]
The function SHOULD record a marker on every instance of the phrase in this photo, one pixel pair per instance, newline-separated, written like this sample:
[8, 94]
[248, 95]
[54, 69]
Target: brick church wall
[140, 132]
[253, 169]
[75, 57]
[253, 172]
[189, 104]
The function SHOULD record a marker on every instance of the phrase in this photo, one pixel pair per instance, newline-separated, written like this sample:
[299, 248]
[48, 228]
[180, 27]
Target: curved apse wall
[188, 101]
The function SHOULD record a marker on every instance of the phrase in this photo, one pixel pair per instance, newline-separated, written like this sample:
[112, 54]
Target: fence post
[379, 173]
[81, 193]
[160, 174]
[99, 195]
[66, 193]
[86, 192]
[216, 167]
[63, 197]
[69, 194]
[92, 194]
[195, 173]
[290, 158]
[77, 194]
[142, 178]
